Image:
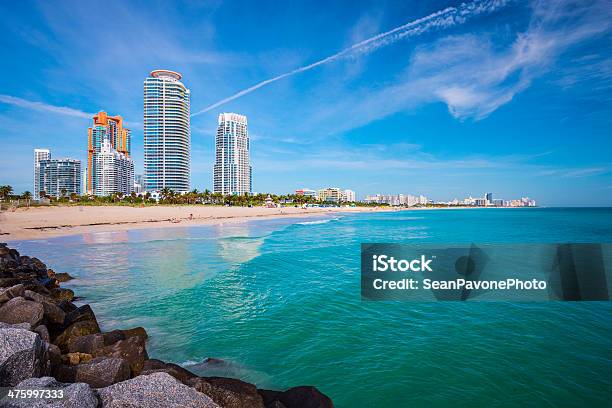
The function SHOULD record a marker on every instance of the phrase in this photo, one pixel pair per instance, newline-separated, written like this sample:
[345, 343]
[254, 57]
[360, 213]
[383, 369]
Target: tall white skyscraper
[114, 171]
[232, 171]
[167, 142]
[39, 154]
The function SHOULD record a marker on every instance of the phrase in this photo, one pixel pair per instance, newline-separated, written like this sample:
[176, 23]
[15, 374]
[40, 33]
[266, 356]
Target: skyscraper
[105, 128]
[58, 177]
[232, 170]
[166, 132]
[39, 154]
[114, 171]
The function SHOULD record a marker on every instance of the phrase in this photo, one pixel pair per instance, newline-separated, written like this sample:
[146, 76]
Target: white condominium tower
[232, 171]
[166, 132]
[39, 154]
[114, 171]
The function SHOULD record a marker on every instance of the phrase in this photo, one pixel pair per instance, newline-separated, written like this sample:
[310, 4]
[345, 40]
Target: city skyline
[512, 100]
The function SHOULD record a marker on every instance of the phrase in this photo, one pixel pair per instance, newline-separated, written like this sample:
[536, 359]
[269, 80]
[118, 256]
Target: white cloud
[44, 107]
[439, 20]
[471, 73]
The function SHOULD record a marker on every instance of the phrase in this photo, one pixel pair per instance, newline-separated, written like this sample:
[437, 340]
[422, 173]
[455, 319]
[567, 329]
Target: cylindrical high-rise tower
[166, 132]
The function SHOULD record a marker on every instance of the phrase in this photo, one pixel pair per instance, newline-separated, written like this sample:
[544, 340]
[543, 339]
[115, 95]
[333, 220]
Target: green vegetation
[169, 197]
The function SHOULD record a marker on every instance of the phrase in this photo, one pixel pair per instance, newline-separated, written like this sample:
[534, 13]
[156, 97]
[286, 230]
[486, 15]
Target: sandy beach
[47, 222]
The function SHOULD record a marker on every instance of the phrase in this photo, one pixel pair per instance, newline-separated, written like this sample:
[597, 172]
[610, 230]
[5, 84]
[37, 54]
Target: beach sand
[47, 222]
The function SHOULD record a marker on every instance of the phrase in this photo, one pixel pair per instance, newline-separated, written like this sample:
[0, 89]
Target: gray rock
[81, 314]
[75, 330]
[36, 297]
[53, 314]
[305, 397]
[153, 391]
[77, 395]
[102, 371]
[43, 332]
[21, 355]
[86, 344]
[63, 277]
[24, 326]
[131, 350]
[19, 310]
[178, 372]
[228, 392]
[7, 294]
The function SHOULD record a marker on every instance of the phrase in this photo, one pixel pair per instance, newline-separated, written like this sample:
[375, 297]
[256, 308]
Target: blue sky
[503, 96]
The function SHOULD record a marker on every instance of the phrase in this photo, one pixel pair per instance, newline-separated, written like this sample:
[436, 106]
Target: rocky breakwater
[48, 343]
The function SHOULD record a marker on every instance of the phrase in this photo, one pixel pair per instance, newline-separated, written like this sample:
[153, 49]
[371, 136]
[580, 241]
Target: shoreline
[33, 223]
[49, 222]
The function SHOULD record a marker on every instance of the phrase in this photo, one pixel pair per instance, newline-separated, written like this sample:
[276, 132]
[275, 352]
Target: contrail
[442, 19]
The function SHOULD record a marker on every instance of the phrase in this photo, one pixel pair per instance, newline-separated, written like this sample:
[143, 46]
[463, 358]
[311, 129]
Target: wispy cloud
[442, 19]
[472, 74]
[43, 107]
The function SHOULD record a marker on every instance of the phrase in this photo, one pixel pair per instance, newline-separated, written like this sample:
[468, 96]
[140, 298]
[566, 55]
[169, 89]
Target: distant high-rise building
[489, 199]
[167, 142]
[348, 196]
[114, 171]
[105, 128]
[330, 194]
[232, 171]
[58, 177]
[39, 154]
[138, 183]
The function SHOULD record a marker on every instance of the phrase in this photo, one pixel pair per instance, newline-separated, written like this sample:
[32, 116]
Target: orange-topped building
[105, 127]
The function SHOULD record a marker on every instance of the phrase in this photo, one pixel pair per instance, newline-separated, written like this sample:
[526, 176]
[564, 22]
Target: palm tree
[165, 193]
[27, 196]
[5, 192]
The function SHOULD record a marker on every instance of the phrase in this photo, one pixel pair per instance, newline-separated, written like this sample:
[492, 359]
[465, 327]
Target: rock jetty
[48, 343]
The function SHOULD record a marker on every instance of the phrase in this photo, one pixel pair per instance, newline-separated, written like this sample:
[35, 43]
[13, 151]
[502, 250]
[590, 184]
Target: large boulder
[297, 397]
[62, 294]
[86, 344]
[178, 372]
[131, 350]
[136, 331]
[14, 291]
[53, 314]
[74, 395]
[228, 392]
[21, 355]
[43, 332]
[92, 342]
[99, 372]
[81, 314]
[153, 391]
[7, 282]
[19, 310]
[76, 330]
[62, 277]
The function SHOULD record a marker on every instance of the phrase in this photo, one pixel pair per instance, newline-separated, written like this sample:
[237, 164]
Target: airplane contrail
[442, 19]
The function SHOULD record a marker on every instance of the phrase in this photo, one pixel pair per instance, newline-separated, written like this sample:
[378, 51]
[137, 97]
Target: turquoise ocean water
[279, 301]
